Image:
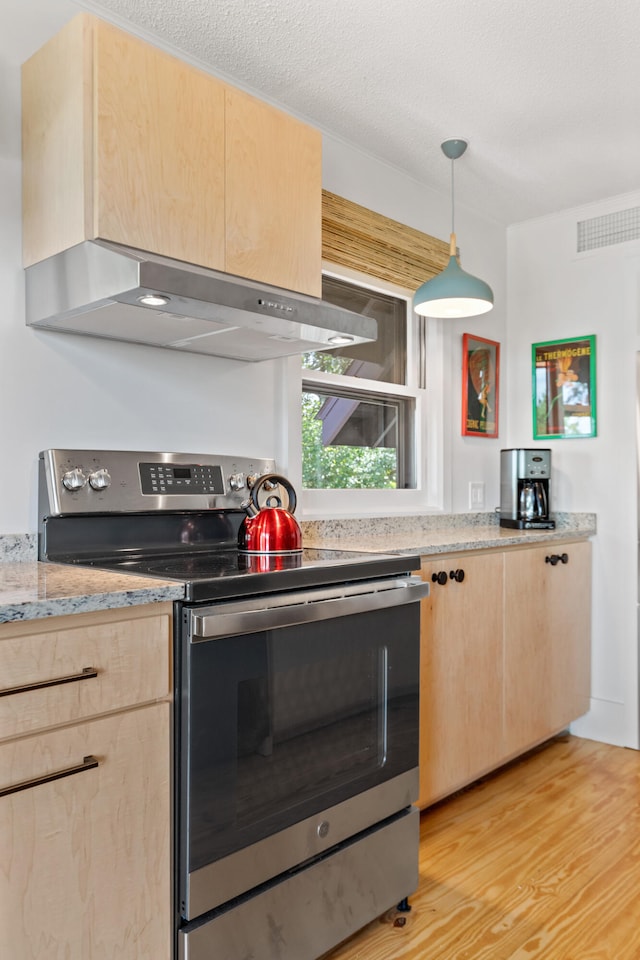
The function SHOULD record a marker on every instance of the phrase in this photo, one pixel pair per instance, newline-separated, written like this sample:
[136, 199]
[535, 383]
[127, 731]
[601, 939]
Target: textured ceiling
[547, 92]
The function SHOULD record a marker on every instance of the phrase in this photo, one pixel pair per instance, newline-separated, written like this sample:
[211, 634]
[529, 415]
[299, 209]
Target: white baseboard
[608, 722]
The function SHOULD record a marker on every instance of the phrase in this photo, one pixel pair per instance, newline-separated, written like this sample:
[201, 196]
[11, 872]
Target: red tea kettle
[270, 528]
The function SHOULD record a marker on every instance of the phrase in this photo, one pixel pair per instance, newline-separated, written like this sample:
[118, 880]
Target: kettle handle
[274, 478]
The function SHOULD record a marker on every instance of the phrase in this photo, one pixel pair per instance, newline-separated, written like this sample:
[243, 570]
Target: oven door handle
[270, 613]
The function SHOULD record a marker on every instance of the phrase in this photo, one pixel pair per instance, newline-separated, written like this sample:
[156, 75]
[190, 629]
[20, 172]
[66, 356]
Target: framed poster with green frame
[564, 388]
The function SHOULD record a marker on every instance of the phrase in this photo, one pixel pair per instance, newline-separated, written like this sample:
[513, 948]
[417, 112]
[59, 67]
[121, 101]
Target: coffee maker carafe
[525, 477]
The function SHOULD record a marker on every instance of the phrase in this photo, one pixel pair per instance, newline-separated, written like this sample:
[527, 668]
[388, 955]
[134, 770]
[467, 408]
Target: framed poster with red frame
[480, 386]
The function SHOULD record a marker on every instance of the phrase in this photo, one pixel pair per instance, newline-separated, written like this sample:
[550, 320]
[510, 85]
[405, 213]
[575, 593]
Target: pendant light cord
[453, 223]
[453, 249]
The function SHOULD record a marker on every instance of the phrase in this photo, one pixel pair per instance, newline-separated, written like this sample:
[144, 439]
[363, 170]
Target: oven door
[298, 728]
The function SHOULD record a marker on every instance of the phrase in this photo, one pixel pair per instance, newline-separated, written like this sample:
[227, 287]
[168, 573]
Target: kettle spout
[249, 508]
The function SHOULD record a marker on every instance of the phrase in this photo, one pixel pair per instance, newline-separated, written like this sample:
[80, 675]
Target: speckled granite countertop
[30, 590]
[432, 535]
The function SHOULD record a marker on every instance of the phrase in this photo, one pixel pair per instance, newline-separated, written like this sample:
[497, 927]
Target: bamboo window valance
[358, 238]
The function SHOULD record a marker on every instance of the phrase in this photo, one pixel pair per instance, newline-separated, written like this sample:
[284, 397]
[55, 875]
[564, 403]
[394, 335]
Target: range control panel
[173, 480]
[121, 481]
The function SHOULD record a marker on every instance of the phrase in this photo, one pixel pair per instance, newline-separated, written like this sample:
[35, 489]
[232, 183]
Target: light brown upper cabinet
[123, 142]
[273, 196]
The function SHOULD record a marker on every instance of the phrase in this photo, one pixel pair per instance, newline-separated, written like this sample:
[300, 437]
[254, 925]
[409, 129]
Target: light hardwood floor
[540, 861]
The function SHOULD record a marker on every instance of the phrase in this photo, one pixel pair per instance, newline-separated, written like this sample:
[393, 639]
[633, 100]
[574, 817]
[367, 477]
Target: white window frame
[430, 449]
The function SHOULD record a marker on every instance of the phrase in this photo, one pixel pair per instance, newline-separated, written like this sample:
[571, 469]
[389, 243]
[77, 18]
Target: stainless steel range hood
[96, 288]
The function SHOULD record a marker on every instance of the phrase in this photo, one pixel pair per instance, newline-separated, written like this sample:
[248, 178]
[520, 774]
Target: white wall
[555, 292]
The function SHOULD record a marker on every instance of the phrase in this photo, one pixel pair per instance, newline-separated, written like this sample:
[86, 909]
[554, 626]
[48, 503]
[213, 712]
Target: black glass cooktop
[229, 573]
[200, 550]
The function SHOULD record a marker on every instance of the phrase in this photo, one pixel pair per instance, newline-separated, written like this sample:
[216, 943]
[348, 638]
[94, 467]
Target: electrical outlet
[476, 495]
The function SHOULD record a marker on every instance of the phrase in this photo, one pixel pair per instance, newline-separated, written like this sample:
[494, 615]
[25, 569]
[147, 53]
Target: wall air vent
[611, 228]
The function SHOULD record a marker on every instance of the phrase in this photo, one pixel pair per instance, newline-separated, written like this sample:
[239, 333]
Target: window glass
[385, 358]
[352, 440]
[359, 402]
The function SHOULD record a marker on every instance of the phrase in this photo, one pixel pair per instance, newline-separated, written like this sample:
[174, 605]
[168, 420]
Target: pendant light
[453, 293]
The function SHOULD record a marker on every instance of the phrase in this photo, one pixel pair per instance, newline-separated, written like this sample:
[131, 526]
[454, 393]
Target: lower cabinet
[86, 857]
[461, 674]
[85, 869]
[505, 658]
[547, 649]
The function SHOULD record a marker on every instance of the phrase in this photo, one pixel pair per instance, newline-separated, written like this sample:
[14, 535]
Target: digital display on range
[169, 479]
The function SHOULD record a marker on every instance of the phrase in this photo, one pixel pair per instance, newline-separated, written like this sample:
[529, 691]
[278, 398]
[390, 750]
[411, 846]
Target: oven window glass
[286, 723]
[306, 725]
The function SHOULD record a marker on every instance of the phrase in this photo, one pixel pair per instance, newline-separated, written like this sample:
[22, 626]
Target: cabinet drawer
[86, 847]
[77, 671]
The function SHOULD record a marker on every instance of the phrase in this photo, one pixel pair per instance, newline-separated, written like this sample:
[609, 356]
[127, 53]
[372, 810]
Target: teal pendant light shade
[454, 292]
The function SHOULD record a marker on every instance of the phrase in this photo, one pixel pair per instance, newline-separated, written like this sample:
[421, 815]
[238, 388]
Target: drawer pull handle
[87, 674]
[88, 763]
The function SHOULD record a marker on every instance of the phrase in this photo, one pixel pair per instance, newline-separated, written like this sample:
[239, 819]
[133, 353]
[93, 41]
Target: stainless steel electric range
[295, 708]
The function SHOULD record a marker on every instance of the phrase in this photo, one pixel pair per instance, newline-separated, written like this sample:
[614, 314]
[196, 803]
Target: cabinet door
[159, 151]
[460, 674]
[86, 857]
[56, 138]
[547, 641]
[122, 142]
[273, 196]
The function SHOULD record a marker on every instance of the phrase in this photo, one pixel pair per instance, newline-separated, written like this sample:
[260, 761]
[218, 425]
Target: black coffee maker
[525, 478]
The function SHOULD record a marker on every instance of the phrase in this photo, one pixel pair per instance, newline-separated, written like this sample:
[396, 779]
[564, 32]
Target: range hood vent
[96, 288]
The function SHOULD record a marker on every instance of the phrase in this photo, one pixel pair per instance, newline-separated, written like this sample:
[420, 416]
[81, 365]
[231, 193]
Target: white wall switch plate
[476, 495]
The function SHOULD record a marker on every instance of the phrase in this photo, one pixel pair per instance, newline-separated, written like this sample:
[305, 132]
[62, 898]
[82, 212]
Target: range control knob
[251, 480]
[74, 479]
[100, 479]
[236, 481]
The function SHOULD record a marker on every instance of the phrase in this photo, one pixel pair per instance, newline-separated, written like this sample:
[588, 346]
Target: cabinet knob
[457, 575]
[555, 558]
[440, 578]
